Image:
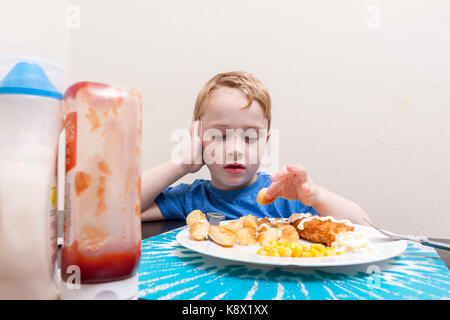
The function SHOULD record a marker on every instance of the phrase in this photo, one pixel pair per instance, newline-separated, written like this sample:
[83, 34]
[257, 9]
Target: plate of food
[302, 240]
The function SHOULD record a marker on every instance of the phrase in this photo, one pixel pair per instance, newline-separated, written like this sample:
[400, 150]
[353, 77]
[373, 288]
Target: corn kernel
[297, 252]
[317, 246]
[284, 248]
[275, 254]
[262, 252]
[287, 252]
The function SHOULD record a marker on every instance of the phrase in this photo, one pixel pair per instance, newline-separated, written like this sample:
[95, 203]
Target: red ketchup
[102, 267]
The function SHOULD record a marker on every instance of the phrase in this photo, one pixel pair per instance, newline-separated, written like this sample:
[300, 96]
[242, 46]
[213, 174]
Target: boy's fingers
[191, 128]
[274, 177]
[194, 128]
[197, 142]
[295, 168]
[279, 174]
[197, 128]
[273, 190]
[306, 188]
[298, 171]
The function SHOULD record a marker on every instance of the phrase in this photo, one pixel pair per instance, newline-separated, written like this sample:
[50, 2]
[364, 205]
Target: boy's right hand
[192, 157]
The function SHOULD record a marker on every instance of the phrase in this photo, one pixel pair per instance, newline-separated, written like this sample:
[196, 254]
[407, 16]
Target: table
[170, 271]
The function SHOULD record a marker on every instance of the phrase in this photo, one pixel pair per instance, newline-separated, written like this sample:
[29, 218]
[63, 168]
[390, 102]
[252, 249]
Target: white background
[360, 89]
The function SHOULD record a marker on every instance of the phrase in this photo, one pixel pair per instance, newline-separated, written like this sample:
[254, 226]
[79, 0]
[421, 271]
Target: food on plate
[222, 236]
[278, 222]
[319, 229]
[250, 221]
[288, 233]
[266, 221]
[246, 237]
[199, 230]
[280, 237]
[284, 248]
[235, 225]
[194, 216]
[264, 226]
[352, 241]
[266, 234]
[262, 199]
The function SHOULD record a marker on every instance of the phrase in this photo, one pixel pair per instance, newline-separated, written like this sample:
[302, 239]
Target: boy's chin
[235, 181]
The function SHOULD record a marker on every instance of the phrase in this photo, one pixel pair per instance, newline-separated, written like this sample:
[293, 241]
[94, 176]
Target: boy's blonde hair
[244, 81]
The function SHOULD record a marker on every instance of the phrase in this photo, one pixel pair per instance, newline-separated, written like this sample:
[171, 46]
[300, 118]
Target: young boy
[229, 131]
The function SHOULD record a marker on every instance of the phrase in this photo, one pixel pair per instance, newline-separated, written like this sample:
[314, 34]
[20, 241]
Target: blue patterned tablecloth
[169, 271]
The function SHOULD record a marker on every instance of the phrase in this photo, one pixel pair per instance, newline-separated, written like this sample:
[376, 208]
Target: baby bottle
[31, 121]
[102, 225]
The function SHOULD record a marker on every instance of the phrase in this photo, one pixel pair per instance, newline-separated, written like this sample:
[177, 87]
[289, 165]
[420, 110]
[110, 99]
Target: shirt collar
[237, 192]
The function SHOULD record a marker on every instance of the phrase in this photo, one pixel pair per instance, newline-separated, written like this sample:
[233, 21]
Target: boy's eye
[251, 139]
[219, 137]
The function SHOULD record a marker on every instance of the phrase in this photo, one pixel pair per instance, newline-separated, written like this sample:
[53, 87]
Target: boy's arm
[329, 203]
[293, 183]
[155, 180]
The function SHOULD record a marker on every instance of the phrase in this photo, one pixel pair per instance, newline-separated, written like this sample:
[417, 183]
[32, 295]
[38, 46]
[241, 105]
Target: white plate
[384, 248]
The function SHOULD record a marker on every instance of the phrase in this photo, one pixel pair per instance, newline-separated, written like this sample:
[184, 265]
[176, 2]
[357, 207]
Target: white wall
[360, 89]
[35, 28]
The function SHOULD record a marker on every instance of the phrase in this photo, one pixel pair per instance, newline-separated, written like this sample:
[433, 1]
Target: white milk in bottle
[30, 123]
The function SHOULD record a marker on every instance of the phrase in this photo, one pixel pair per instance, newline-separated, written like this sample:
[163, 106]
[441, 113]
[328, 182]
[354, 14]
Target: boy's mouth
[234, 168]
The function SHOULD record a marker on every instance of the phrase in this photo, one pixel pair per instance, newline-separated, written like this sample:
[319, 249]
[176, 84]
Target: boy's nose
[235, 149]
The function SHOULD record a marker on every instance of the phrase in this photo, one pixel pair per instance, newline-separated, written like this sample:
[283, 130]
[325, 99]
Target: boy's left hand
[292, 182]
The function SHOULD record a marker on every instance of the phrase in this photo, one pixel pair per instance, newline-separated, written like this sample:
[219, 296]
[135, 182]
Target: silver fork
[421, 239]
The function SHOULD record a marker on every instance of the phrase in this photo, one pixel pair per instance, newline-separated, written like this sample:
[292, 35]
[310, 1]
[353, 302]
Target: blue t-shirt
[177, 202]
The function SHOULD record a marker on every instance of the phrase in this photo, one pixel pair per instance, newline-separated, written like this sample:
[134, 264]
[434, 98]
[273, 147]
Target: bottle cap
[28, 78]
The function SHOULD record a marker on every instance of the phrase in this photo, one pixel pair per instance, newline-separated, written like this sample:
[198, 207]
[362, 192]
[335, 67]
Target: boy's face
[234, 138]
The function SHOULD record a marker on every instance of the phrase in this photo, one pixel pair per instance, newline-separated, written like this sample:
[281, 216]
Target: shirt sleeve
[313, 211]
[171, 202]
[301, 208]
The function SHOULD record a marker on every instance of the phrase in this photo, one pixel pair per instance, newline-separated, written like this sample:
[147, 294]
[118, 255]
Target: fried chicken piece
[320, 229]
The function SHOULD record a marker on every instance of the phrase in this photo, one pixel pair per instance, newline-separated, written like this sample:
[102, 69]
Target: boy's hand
[192, 154]
[292, 182]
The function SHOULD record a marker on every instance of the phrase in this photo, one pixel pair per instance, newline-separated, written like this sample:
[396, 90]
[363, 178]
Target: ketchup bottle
[102, 224]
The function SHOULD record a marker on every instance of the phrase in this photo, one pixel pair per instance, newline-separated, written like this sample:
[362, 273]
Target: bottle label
[71, 140]
[67, 213]
[71, 126]
[53, 224]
